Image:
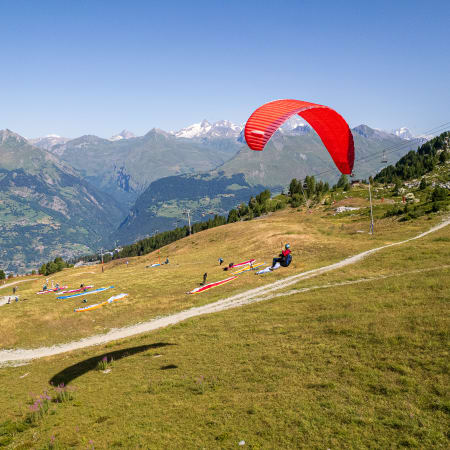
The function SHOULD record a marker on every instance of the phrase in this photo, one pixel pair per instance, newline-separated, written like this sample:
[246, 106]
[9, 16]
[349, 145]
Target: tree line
[417, 163]
[54, 266]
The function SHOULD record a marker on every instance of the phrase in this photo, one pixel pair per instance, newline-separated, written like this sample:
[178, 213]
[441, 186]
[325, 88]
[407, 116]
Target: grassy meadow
[352, 366]
[317, 238]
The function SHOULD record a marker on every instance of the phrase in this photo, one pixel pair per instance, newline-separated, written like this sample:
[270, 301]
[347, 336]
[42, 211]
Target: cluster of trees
[417, 163]
[309, 189]
[54, 266]
[2, 275]
[261, 204]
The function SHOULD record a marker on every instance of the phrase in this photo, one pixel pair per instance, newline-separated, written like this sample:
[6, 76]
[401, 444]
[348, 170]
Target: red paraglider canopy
[328, 124]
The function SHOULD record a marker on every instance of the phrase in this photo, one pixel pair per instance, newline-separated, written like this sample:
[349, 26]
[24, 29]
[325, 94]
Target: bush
[439, 194]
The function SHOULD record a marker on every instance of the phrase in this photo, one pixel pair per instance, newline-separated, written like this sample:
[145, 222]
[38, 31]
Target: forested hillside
[46, 210]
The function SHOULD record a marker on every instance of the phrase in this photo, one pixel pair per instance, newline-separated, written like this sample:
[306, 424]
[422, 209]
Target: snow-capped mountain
[204, 129]
[295, 125]
[403, 133]
[124, 134]
[49, 141]
[406, 133]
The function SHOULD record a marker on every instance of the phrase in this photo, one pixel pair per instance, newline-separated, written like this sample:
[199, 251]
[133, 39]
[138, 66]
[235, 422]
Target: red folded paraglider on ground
[332, 129]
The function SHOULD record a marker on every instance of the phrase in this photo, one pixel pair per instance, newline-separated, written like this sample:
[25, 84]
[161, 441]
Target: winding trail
[16, 282]
[251, 296]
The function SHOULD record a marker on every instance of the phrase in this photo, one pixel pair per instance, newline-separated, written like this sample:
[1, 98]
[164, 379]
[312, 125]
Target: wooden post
[371, 210]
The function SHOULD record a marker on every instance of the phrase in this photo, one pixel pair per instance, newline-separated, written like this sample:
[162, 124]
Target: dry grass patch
[316, 238]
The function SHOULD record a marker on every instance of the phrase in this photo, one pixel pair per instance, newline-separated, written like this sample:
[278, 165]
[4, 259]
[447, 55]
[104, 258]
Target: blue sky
[96, 67]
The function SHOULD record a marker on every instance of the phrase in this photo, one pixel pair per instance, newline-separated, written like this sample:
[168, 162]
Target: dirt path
[16, 282]
[251, 296]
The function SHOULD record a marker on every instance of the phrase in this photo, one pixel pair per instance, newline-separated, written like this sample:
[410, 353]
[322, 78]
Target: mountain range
[46, 209]
[63, 197]
[293, 152]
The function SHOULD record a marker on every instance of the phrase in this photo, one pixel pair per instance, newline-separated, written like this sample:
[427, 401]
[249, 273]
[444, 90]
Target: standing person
[220, 261]
[14, 290]
[285, 257]
[205, 275]
[127, 263]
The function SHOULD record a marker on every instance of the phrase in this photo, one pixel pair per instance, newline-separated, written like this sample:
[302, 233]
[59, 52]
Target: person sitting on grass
[284, 259]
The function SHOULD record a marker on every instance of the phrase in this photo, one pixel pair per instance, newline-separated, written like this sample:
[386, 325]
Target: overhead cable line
[391, 149]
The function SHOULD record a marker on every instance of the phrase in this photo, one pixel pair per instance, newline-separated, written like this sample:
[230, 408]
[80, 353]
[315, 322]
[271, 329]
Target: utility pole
[371, 209]
[188, 212]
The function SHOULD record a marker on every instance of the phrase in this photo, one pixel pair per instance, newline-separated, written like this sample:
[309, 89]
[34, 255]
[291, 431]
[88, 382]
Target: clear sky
[96, 67]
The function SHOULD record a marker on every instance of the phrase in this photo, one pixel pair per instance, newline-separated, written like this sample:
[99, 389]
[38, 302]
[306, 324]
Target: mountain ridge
[47, 210]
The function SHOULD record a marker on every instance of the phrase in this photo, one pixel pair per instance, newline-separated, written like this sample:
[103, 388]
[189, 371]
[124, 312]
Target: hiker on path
[284, 259]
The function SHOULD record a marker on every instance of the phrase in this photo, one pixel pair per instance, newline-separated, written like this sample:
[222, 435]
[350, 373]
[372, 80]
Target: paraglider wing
[328, 124]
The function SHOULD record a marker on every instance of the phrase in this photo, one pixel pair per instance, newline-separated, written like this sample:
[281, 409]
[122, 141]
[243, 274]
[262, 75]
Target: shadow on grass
[168, 367]
[77, 370]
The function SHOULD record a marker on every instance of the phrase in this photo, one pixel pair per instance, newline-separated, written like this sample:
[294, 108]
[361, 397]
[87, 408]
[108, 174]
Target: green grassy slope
[363, 365]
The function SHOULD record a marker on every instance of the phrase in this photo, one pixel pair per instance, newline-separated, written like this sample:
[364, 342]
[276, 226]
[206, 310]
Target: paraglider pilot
[285, 257]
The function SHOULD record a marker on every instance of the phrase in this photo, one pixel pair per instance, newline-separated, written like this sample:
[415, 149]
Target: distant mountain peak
[156, 131]
[49, 141]
[368, 132]
[124, 134]
[7, 134]
[295, 124]
[205, 129]
[404, 133]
